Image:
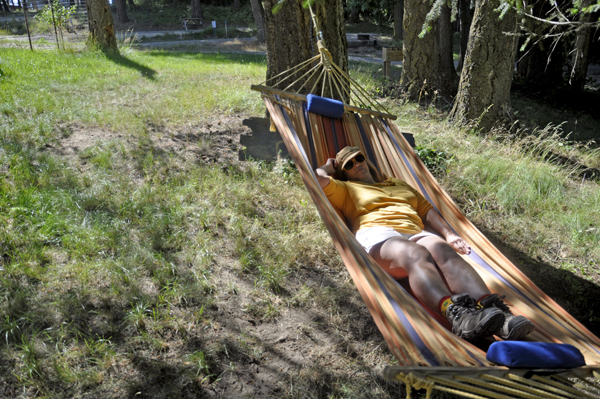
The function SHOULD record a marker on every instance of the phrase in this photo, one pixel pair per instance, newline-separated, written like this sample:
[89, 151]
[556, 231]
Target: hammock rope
[430, 357]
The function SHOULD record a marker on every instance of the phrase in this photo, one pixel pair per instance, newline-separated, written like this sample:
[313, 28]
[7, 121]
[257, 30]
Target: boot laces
[466, 306]
[494, 300]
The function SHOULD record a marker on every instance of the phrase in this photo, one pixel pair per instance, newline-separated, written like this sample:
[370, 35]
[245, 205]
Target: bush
[436, 161]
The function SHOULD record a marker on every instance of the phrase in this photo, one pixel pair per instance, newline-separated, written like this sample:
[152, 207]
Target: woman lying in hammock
[400, 229]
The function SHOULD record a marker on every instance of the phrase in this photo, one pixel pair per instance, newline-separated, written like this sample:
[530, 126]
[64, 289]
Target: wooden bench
[186, 23]
[391, 54]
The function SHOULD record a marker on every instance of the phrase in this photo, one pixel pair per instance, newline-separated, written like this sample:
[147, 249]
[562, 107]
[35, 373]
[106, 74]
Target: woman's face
[359, 172]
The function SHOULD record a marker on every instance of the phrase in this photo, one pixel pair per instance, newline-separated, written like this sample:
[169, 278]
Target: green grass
[118, 261]
[124, 94]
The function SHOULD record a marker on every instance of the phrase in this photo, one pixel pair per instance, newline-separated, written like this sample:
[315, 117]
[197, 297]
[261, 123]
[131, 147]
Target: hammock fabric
[429, 355]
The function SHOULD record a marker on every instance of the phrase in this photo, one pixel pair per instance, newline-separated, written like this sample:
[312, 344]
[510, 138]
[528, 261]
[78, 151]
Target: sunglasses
[360, 158]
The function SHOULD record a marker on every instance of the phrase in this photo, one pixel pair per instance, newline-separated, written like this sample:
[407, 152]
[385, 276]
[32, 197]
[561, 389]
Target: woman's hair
[376, 174]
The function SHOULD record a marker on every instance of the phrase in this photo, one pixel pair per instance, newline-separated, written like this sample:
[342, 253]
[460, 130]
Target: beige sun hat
[345, 155]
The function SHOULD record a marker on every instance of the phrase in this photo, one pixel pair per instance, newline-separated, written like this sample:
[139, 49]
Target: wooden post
[27, 23]
[390, 54]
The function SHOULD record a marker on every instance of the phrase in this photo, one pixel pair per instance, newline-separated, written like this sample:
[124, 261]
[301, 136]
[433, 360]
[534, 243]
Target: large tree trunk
[259, 20]
[398, 17]
[484, 91]
[121, 11]
[581, 49]
[425, 69]
[291, 41]
[465, 26]
[196, 11]
[102, 27]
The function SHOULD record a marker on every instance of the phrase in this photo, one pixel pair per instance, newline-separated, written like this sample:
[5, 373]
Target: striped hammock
[430, 356]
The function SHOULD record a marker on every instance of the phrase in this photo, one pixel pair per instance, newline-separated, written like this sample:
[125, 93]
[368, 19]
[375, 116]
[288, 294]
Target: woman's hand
[329, 166]
[458, 244]
[324, 172]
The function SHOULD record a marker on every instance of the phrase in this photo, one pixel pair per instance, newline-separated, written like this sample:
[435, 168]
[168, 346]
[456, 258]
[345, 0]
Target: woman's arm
[325, 171]
[433, 221]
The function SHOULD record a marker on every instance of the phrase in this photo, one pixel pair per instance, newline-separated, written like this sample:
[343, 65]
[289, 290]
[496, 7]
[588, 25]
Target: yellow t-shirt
[398, 206]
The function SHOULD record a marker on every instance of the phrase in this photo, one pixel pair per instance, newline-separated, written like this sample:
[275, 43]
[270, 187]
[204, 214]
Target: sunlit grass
[122, 93]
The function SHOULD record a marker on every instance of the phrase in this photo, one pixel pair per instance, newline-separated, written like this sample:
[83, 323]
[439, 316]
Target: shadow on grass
[126, 62]
[578, 296]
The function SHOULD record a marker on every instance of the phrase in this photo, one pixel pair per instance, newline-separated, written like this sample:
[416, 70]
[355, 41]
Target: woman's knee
[405, 253]
[442, 252]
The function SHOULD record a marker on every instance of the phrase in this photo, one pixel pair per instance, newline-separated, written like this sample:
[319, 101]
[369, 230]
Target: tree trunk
[398, 17]
[581, 49]
[465, 25]
[121, 11]
[131, 5]
[259, 20]
[291, 41]
[4, 5]
[196, 11]
[425, 68]
[446, 51]
[102, 28]
[236, 4]
[484, 90]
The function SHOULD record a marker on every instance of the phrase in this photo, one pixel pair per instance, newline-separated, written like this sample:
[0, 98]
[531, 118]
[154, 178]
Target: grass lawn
[139, 258]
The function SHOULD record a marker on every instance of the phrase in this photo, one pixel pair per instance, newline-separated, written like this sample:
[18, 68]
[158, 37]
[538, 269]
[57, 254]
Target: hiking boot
[470, 322]
[514, 327]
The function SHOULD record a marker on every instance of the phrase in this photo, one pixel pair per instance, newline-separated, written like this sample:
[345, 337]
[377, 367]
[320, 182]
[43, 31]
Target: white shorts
[372, 236]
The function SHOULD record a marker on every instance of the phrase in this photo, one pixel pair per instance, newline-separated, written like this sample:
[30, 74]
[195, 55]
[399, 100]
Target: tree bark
[484, 90]
[196, 11]
[398, 17]
[426, 70]
[259, 20]
[292, 40]
[131, 5]
[236, 4]
[102, 27]
[581, 49]
[465, 25]
[121, 11]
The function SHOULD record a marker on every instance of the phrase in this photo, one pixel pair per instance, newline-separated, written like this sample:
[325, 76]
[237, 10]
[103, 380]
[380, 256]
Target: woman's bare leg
[460, 276]
[424, 278]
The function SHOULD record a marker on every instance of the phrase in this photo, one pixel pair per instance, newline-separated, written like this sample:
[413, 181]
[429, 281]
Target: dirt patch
[216, 142]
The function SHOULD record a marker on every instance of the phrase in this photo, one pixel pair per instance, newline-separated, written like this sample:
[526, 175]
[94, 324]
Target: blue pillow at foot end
[519, 354]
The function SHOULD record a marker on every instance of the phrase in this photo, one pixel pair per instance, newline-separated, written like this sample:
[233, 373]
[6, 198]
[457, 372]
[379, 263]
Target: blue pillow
[325, 106]
[535, 355]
